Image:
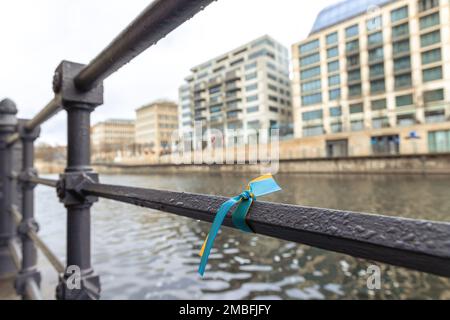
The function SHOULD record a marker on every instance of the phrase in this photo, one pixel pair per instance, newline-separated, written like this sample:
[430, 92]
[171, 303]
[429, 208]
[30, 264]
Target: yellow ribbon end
[261, 178]
[203, 247]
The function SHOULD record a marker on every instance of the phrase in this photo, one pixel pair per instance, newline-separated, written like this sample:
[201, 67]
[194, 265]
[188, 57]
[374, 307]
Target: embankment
[402, 164]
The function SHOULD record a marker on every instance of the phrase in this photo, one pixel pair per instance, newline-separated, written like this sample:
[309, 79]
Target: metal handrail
[153, 24]
[357, 234]
[46, 182]
[415, 244]
[159, 19]
[51, 257]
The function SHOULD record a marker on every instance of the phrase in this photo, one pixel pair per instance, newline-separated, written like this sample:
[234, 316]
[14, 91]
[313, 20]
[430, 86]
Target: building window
[234, 63]
[216, 109]
[403, 63]
[312, 85]
[336, 127]
[332, 52]
[379, 104]
[432, 74]
[312, 115]
[214, 90]
[252, 109]
[356, 108]
[251, 66]
[273, 98]
[375, 39]
[352, 46]
[337, 148]
[374, 24]
[406, 120]
[400, 30]
[333, 66]
[431, 56]
[439, 141]
[252, 98]
[336, 112]
[313, 131]
[400, 47]
[385, 145]
[354, 75]
[379, 123]
[425, 5]
[273, 109]
[311, 99]
[272, 77]
[377, 86]
[353, 61]
[354, 90]
[251, 87]
[376, 54]
[405, 100]
[357, 125]
[429, 21]
[399, 14]
[435, 116]
[251, 76]
[260, 53]
[254, 125]
[376, 70]
[332, 38]
[430, 38]
[310, 46]
[352, 31]
[433, 95]
[310, 73]
[334, 80]
[403, 81]
[272, 88]
[334, 94]
[311, 59]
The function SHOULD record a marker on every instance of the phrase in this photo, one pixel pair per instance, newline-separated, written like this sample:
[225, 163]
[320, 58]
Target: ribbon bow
[258, 187]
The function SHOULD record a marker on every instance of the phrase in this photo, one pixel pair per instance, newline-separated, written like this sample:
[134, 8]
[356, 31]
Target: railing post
[79, 282]
[8, 125]
[28, 270]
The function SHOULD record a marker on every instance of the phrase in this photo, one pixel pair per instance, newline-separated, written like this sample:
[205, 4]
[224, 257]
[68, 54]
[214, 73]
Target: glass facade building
[384, 64]
[245, 89]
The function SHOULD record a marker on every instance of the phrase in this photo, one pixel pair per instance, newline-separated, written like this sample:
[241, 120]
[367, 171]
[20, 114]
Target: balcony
[216, 119]
[200, 105]
[199, 87]
[233, 116]
[233, 96]
[215, 81]
[233, 86]
[232, 75]
[198, 97]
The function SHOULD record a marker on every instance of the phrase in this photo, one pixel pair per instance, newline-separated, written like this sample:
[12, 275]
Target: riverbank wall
[402, 164]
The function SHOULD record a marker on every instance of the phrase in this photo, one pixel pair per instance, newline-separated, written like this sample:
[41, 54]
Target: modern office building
[246, 88]
[155, 124]
[112, 134]
[373, 77]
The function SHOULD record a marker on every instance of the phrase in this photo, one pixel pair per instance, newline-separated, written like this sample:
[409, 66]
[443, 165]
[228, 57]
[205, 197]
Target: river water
[146, 254]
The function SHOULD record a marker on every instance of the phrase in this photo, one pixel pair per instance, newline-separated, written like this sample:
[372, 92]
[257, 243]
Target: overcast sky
[36, 35]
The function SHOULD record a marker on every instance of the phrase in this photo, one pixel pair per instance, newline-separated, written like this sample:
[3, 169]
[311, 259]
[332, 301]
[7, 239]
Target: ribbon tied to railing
[258, 187]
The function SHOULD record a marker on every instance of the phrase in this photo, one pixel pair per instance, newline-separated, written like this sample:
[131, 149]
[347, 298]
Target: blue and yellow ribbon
[258, 187]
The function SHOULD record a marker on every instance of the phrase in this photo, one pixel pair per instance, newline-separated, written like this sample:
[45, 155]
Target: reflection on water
[146, 254]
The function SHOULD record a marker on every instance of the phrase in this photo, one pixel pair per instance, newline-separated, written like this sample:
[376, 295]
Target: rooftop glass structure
[343, 11]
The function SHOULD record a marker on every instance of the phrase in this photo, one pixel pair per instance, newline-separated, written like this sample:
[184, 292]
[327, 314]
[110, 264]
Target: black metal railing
[415, 244]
